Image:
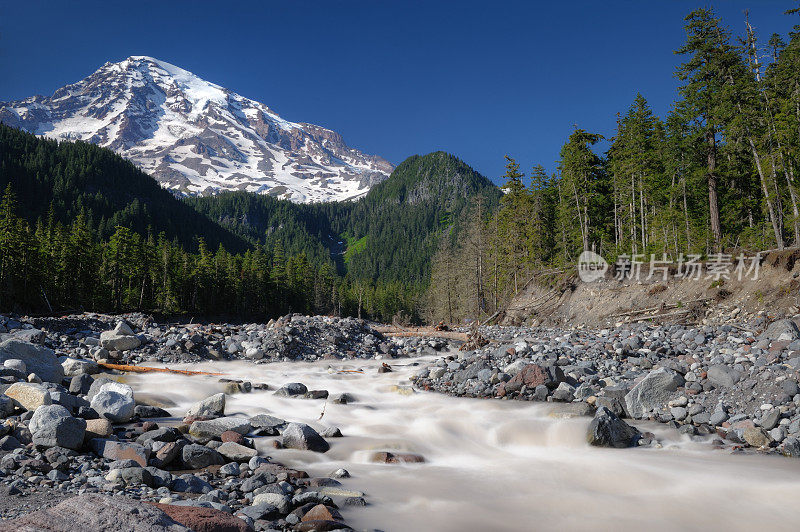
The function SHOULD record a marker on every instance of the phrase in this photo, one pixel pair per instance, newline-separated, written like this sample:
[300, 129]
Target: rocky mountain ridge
[197, 137]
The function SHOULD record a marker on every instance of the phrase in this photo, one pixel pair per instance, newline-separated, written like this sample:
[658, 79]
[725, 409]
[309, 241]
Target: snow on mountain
[197, 137]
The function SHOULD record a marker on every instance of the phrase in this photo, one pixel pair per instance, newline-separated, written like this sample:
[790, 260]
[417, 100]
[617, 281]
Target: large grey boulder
[213, 406]
[199, 456]
[292, 389]
[213, 428]
[46, 414]
[267, 425]
[722, 376]
[121, 338]
[37, 358]
[781, 330]
[53, 426]
[74, 366]
[115, 402]
[301, 436]
[654, 391]
[236, 452]
[96, 512]
[608, 430]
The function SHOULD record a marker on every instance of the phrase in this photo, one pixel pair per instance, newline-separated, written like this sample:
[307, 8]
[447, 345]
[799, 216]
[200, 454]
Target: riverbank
[415, 459]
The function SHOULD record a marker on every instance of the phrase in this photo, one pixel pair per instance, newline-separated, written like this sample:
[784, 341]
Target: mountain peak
[198, 137]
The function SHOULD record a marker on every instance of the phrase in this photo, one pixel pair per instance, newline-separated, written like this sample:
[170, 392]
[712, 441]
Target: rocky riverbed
[729, 381]
[118, 441]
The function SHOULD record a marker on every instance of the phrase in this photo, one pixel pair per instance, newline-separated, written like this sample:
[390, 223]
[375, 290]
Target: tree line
[716, 174]
[83, 229]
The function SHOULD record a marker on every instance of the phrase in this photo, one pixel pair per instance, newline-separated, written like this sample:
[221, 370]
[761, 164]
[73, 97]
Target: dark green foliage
[381, 244]
[403, 216]
[81, 228]
[66, 179]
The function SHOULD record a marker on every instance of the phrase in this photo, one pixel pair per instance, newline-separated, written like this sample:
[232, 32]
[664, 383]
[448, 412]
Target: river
[496, 465]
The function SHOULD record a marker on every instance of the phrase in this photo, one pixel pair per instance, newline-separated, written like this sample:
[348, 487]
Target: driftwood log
[143, 369]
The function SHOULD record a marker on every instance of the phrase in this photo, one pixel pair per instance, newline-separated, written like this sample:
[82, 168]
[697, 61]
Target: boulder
[232, 436]
[73, 367]
[161, 478]
[120, 339]
[38, 359]
[386, 457]
[258, 512]
[301, 436]
[236, 452]
[46, 414]
[29, 396]
[791, 447]
[145, 411]
[191, 484]
[96, 512]
[608, 430]
[117, 450]
[213, 406]
[278, 500]
[531, 376]
[199, 456]
[33, 336]
[169, 452]
[267, 425]
[9, 443]
[6, 406]
[213, 428]
[16, 364]
[320, 512]
[652, 392]
[98, 428]
[292, 389]
[114, 406]
[722, 376]
[204, 519]
[80, 384]
[564, 392]
[756, 437]
[94, 388]
[64, 432]
[781, 330]
[132, 476]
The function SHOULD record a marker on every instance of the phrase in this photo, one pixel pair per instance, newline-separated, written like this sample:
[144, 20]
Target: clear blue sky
[478, 79]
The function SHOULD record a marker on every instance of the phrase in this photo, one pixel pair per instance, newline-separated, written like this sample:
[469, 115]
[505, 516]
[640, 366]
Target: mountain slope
[403, 217]
[197, 137]
[75, 177]
[392, 231]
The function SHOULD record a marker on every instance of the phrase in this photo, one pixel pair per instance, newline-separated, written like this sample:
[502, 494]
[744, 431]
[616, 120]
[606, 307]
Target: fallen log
[451, 335]
[660, 307]
[143, 369]
[657, 316]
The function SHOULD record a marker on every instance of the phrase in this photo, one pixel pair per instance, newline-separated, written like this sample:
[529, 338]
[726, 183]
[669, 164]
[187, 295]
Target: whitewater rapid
[495, 465]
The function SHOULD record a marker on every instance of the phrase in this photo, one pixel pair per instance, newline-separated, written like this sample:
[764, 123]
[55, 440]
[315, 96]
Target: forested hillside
[81, 228]
[716, 174]
[84, 229]
[382, 244]
[60, 181]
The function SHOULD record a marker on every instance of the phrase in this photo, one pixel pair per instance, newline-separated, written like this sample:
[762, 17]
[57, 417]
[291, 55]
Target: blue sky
[477, 79]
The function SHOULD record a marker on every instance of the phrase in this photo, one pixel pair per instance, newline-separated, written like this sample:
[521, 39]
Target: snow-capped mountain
[197, 137]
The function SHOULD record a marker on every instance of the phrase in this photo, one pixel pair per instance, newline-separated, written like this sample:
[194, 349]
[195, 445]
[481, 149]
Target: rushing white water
[498, 465]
